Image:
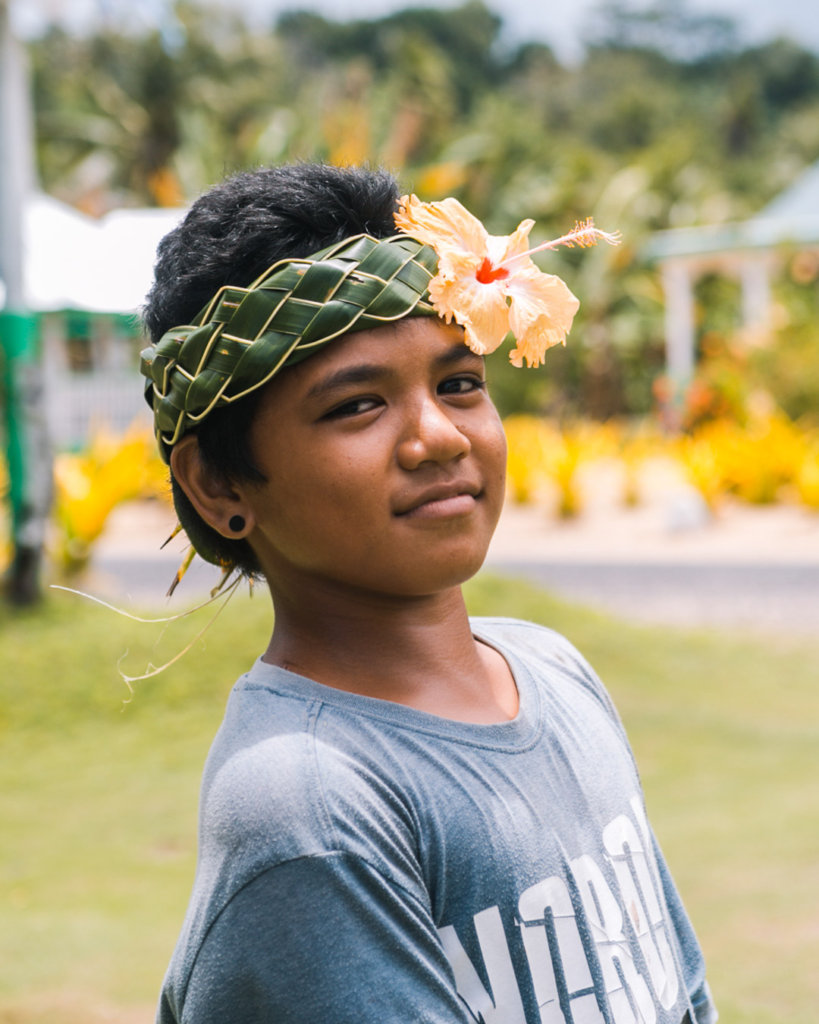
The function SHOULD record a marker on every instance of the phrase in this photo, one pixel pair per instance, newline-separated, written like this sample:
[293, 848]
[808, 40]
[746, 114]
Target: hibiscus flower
[488, 283]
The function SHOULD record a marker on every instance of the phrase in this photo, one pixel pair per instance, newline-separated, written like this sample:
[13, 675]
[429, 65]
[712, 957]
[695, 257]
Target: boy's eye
[463, 384]
[353, 407]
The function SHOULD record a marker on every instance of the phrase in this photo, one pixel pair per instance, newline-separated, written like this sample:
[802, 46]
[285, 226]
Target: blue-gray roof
[791, 218]
[801, 199]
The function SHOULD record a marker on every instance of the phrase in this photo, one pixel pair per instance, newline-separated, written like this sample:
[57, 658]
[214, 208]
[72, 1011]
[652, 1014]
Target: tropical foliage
[666, 120]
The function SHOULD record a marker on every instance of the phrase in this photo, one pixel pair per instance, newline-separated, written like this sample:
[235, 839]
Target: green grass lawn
[98, 794]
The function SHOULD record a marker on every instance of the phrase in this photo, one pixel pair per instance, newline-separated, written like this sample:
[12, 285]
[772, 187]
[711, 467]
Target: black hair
[231, 235]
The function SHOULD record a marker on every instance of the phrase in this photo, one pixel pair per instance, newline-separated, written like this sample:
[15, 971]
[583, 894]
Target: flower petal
[443, 225]
[481, 309]
[503, 248]
[541, 314]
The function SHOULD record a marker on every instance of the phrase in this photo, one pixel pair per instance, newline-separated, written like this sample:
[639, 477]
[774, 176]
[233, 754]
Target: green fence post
[27, 452]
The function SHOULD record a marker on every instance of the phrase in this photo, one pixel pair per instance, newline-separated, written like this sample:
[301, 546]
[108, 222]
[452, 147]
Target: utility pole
[27, 449]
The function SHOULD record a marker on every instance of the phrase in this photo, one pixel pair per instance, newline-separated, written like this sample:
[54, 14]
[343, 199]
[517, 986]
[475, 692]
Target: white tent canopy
[71, 261]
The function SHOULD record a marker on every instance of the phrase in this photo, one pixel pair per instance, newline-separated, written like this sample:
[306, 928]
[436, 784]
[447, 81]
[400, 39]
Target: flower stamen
[488, 272]
[584, 235]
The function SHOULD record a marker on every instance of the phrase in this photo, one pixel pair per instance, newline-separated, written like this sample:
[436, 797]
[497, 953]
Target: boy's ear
[215, 499]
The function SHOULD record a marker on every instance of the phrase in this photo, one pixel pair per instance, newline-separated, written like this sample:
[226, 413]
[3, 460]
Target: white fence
[107, 394]
[77, 404]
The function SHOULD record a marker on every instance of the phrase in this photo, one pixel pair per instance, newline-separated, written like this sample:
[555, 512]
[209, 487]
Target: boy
[406, 815]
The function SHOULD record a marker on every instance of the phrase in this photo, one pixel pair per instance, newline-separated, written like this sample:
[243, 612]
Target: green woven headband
[244, 336]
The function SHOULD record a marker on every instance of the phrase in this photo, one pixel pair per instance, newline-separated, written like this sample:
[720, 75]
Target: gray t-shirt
[362, 862]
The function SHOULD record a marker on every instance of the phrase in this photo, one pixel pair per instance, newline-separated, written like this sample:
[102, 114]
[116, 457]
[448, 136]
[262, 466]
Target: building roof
[792, 218]
[71, 261]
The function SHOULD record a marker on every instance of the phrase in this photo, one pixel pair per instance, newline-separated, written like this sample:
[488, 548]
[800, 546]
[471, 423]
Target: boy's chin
[444, 577]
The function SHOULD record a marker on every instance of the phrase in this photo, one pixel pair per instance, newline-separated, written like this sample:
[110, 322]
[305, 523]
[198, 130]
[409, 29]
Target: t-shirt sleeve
[323, 938]
[693, 963]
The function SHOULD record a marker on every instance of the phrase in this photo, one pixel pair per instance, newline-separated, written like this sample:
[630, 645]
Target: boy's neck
[418, 652]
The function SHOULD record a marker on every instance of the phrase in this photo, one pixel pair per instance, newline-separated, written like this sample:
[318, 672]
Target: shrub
[90, 484]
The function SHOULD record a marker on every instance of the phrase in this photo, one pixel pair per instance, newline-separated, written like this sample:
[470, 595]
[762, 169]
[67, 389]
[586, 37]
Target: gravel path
[773, 598]
[756, 568]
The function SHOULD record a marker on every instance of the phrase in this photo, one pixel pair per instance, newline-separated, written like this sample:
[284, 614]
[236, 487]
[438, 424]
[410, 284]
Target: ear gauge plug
[236, 524]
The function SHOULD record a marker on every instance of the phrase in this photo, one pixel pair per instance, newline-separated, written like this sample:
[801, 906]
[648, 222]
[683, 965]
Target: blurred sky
[557, 22]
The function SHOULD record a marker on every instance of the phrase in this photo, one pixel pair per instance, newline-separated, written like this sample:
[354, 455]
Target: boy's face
[385, 463]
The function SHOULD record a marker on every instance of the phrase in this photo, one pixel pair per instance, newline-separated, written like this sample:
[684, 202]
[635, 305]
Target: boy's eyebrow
[362, 373]
[365, 373]
[458, 354]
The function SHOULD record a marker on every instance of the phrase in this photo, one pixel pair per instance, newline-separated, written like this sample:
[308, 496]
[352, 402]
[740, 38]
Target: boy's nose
[431, 436]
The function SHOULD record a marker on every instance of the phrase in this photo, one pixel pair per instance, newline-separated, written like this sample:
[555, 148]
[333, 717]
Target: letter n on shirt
[504, 1006]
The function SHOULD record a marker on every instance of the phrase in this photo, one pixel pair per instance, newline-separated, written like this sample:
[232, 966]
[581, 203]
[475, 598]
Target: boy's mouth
[453, 498]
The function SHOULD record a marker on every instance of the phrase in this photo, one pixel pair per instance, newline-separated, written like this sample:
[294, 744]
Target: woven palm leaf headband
[244, 336]
[443, 263]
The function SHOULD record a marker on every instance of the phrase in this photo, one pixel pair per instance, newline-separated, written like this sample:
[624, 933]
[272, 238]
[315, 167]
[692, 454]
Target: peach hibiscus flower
[488, 283]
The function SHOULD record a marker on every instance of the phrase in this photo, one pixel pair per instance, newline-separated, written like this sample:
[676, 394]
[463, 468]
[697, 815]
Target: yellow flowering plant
[90, 484]
[489, 284]
[545, 460]
[528, 440]
[807, 480]
[5, 519]
[699, 457]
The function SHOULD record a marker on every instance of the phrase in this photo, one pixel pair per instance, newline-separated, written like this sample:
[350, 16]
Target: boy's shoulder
[293, 777]
[520, 632]
[543, 651]
[530, 641]
[259, 768]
